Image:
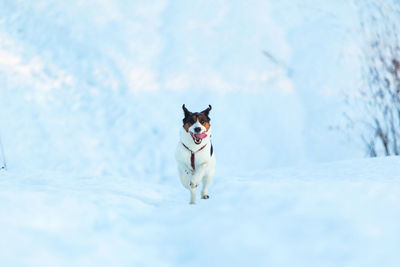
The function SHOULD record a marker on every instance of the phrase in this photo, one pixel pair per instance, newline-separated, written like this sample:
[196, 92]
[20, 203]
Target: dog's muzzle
[197, 138]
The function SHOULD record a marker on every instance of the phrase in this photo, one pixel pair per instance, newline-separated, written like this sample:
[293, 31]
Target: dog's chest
[196, 159]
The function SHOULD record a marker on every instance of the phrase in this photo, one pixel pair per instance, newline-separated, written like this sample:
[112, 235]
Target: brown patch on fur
[186, 126]
[189, 121]
[204, 120]
[207, 125]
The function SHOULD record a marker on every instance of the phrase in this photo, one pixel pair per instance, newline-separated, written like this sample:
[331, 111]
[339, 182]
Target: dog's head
[197, 124]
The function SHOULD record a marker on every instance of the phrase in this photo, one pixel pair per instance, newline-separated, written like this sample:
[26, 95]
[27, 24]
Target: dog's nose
[197, 129]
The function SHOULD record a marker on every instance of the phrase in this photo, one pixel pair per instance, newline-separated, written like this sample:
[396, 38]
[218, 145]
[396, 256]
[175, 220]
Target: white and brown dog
[194, 154]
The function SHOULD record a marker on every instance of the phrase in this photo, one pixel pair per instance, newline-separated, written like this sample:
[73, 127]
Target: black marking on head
[186, 111]
[207, 110]
[191, 117]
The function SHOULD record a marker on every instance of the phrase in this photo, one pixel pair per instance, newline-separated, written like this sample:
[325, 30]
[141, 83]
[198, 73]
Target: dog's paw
[193, 184]
[205, 197]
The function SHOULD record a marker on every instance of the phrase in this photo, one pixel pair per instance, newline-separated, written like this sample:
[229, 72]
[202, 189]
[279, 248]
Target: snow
[336, 214]
[90, 111]
[79, 78]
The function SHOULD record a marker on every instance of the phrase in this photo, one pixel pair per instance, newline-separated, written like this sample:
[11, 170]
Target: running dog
[194, 153]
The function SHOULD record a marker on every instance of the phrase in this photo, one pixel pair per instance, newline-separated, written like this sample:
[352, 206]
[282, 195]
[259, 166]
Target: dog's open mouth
[197, 138]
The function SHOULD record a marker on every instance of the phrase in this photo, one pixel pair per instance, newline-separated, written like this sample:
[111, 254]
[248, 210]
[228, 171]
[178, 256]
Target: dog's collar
[192, 155]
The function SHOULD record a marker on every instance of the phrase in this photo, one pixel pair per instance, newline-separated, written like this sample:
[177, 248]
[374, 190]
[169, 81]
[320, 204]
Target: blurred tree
[375, 115]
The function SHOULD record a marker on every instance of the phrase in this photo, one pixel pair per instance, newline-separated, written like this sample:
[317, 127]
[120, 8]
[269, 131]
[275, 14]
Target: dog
[194, 153]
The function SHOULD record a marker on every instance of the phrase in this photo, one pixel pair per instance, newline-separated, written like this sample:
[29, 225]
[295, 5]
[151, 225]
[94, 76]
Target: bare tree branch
[378, 100]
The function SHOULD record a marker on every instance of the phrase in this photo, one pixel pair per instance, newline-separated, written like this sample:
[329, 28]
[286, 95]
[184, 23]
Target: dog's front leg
[198, 175]
[186, 179]
[195, 180]
[192, 195]
[186, 175]
[191, 186]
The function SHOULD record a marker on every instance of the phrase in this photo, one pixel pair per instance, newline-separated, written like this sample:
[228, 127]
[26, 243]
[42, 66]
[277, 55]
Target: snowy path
[339, 214]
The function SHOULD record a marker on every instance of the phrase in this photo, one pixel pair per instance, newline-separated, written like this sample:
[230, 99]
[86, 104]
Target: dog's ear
[186, 111]
[207, 110]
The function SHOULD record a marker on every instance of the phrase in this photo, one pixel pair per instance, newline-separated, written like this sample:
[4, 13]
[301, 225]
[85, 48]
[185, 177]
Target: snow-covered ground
[337, 214]
[90, 110]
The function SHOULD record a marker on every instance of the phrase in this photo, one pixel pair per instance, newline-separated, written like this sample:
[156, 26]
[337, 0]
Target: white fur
[204, 163]
[197, 124]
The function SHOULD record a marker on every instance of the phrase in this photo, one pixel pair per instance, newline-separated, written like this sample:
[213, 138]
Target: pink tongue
[201, 136]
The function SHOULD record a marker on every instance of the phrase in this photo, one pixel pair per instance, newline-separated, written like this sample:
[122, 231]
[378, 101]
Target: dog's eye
[202, 121]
